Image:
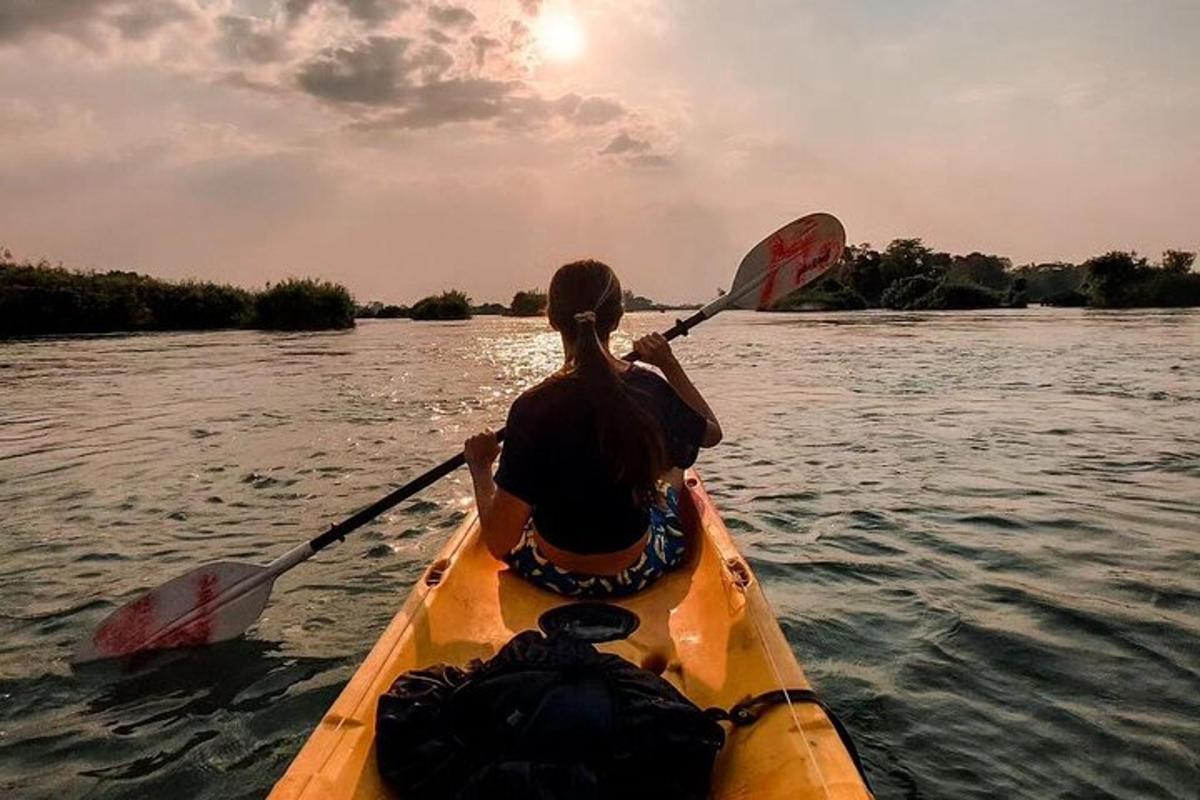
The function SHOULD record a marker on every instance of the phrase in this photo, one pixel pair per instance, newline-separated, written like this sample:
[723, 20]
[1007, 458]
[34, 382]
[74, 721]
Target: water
[979, 531]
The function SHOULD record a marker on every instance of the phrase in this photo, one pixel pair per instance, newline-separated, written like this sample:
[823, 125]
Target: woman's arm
[656, 351]
[502, 516]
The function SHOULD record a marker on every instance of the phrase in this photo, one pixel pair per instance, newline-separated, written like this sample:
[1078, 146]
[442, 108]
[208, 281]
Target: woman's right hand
[655, 350]
[481, 450]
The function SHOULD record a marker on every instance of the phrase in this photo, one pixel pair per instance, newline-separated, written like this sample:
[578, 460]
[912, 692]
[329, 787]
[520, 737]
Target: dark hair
[585, 305]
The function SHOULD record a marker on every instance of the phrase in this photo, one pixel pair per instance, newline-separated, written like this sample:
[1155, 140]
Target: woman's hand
[481, 450]
[655, 350]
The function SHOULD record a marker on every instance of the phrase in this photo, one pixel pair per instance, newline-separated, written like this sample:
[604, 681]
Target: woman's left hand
[481, 450]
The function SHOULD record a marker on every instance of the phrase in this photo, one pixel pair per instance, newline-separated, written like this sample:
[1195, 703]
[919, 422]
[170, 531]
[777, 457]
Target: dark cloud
[380, 71]
[481, 45]
[634, 151]
[598, 111]
[372, 11]
[437, 36]
[375, 72]
[84, 19]
[250, 39]
[511, 105]
[451, 16]
[531, 7]
[457, 100]
[139, 20]
[624, 143]
[431, 62]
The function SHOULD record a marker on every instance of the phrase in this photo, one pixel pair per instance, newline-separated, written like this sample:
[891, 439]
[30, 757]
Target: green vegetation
[378, 310]
[1054, 283]
[635, 302]
[529, 303]
[1127, 280]
[38, 298]
[825, 295]
[489, 310]
[449, 305]
[909, 275]
[303, 305]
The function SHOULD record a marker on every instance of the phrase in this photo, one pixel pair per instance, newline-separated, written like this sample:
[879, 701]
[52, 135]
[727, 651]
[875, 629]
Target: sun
[560, 37]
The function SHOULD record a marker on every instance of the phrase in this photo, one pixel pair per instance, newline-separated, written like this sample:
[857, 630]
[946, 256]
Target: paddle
[220, 600]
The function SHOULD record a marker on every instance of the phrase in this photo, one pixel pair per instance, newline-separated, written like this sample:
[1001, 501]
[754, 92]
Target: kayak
[705, 627]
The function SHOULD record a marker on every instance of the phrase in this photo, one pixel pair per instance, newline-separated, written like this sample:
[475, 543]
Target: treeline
[455, 304]
[908, 275]
[39, 298]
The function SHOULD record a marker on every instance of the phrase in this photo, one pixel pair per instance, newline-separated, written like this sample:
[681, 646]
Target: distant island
[40, 298]
[456, 305]
[910, 276]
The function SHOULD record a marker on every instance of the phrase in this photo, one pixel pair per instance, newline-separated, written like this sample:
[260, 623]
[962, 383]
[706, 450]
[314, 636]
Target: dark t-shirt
[551, 460]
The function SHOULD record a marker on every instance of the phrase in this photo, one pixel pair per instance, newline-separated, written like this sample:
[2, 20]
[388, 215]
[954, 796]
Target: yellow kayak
[706, 628]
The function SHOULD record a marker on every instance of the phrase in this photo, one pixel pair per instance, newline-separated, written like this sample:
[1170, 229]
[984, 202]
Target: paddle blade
[211, 603]
[792, 257]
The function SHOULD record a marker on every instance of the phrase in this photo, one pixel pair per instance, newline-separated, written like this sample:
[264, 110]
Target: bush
[529, 303]
[378, 310]
[303, 305]
[1068, 299]
[827, 295]
[905, 293]
[958, 297]
[449, 305]
[1163, 289]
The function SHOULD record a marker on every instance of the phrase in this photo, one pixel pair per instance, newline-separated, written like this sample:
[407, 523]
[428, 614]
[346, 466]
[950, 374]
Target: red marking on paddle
[127, 629]
[198, 631]
[781, 253]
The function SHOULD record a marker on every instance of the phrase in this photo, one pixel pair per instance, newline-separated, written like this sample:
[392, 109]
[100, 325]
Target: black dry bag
[548, 717]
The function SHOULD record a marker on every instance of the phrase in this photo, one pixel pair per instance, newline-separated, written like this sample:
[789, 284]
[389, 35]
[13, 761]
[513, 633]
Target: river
[979, 530]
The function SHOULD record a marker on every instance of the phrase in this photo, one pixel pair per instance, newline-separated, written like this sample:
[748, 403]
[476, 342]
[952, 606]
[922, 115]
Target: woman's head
[584, 304]
[583, 286]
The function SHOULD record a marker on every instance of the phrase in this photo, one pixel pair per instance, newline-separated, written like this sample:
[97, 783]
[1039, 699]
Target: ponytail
[585, 305]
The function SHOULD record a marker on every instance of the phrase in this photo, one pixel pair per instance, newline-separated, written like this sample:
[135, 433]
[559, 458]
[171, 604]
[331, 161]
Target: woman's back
[555, 459]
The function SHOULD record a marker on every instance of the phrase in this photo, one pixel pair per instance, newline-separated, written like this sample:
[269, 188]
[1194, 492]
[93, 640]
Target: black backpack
[549, 717]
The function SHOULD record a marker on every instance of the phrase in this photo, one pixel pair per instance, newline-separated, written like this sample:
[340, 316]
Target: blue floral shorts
[665, 550]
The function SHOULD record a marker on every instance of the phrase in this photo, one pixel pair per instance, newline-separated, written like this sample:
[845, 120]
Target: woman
[585, 498]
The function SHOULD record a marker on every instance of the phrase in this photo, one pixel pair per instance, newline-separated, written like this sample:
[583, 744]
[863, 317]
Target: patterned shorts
[664, 551]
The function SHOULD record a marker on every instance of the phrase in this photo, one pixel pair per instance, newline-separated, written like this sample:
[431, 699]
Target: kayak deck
[706, 627]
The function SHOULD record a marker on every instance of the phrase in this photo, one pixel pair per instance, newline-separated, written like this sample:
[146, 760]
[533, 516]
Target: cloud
[369, 11]
[598, 111]
[87, 20]
[438, 36]
[251, 39]
[482, 44]
[451, 16]
[633, 150]
[511, 105]
[530, 7]
[380, 70]
[625, 143]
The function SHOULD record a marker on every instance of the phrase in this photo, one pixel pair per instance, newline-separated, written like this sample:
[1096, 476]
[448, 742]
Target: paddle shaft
[339, 531]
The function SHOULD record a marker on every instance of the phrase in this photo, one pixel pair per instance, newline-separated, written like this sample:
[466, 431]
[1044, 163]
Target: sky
[404, 147]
